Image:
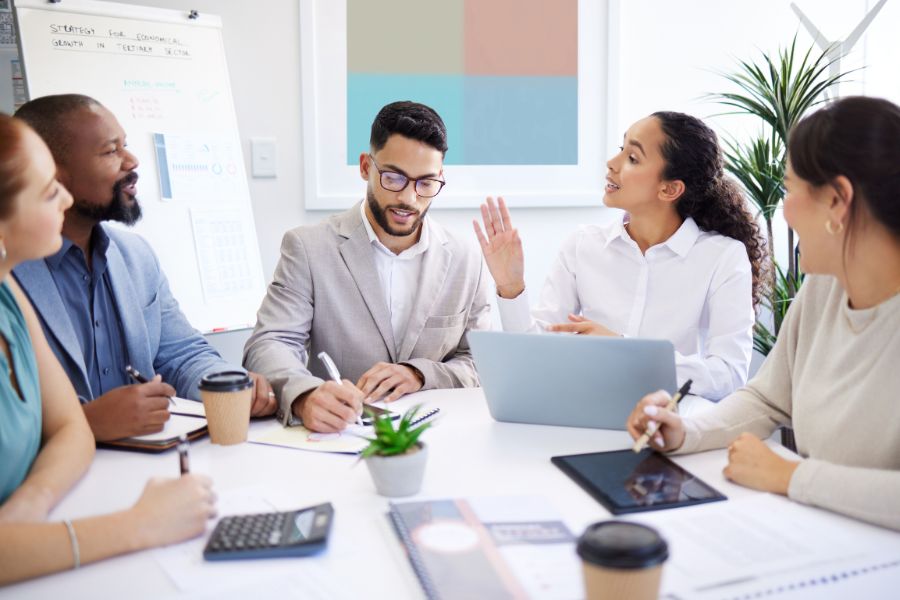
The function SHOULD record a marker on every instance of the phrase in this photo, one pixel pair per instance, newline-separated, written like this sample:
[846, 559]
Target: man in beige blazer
[385, 291]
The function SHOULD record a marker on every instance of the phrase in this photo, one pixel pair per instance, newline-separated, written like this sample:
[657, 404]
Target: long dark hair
[859, 138]
[713, 200]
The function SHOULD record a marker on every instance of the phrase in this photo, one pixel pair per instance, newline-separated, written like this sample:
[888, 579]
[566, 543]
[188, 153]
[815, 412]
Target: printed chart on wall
[163, 74]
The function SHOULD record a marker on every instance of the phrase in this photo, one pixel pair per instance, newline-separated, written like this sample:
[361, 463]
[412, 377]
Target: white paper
[223, 260]
[757, 538]
[176, 426]
[183, 406]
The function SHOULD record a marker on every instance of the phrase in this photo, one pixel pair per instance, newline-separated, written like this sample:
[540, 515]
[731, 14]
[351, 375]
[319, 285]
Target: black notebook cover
[628, 482]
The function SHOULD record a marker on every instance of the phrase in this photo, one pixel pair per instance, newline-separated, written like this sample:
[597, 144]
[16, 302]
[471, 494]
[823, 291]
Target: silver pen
[334, 374]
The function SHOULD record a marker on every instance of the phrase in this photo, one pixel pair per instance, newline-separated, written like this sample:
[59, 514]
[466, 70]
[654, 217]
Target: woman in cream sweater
[833, 374]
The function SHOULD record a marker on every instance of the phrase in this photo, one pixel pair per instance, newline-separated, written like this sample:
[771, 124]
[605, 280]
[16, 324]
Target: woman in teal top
[45, 442]
[20, 407]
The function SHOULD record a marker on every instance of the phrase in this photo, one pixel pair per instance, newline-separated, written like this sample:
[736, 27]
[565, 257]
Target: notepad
[192, 427]
[351, 440]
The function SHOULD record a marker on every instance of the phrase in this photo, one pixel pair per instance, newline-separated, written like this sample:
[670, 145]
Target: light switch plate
[263, 157]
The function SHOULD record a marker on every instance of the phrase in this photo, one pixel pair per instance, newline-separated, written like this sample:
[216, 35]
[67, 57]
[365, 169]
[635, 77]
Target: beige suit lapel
[435, 267]
[356, 251]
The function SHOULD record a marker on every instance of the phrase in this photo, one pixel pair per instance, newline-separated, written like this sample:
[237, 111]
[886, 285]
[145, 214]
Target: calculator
[267, 535]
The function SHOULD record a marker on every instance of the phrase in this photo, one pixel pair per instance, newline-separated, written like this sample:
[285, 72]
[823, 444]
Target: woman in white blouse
[684, 264]
[833, 373]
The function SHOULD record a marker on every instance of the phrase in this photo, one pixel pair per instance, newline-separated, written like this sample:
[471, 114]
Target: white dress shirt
[694, 289]
[399, 275]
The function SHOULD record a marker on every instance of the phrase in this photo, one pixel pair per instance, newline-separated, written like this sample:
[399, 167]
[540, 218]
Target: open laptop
[564, 379]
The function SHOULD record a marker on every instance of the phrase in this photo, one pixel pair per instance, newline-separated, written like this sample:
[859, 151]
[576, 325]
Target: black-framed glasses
[426, 187]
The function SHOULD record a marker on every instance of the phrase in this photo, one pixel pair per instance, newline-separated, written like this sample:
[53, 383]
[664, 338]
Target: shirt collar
[680, 242]
[414, 250]
[618, 231]
[684, 239]
[100, 244]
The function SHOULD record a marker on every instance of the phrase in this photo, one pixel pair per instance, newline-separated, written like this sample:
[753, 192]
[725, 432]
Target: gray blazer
[326, 295]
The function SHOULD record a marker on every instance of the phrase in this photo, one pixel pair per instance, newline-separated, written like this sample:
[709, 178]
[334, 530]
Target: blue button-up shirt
[88, 296]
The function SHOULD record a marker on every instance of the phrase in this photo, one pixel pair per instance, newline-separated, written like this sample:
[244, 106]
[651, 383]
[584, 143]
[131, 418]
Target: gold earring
[2, 251]
[831, 229]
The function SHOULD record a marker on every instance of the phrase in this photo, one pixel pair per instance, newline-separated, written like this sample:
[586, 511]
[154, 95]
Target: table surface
[470, 454]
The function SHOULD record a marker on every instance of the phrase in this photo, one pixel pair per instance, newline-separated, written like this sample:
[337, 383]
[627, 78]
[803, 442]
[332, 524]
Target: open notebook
[352, 440]
[187, 417]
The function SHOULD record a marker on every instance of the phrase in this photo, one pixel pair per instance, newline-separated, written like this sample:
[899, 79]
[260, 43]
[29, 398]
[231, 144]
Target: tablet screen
[627, 482]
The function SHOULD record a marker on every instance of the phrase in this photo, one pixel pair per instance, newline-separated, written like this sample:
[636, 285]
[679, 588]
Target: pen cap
[622, 545]
[225, 381]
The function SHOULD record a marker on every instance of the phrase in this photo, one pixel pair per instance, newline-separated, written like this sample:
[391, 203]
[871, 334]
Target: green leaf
[389, 441]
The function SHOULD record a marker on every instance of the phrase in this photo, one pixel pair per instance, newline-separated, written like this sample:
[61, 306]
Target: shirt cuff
[692, 437]
[802, 479]
[515, 313]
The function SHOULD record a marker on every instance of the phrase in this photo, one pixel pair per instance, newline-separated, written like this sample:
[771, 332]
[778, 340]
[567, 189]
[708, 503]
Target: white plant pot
[398, 475]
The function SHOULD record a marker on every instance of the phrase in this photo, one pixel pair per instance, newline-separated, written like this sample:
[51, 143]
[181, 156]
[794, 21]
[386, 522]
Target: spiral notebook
[492, 547]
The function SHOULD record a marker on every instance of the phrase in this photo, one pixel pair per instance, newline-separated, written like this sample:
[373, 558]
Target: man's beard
[381, 217]
[127, 211]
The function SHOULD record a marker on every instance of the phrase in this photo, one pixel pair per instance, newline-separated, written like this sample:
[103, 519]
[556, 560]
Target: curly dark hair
[712, 199]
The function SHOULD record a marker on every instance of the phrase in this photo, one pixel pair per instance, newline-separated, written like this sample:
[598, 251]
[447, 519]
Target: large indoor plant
[778, 90]
[395, 456]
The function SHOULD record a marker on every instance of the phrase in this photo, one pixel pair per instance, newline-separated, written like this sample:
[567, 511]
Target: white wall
[667, 54]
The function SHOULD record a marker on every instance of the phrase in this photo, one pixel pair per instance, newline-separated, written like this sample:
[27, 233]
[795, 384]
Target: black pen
[136, 375]
[183, 454]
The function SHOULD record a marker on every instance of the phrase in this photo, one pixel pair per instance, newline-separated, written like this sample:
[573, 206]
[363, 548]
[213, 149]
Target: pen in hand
[183, 462]
[136, 375]
[334, 374]
[653, 427]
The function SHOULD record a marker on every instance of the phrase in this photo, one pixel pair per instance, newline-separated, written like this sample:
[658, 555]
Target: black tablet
[625, 482]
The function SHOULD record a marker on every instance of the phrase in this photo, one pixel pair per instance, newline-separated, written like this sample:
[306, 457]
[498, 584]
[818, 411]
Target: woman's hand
[502, 248]
[753, 464]
[173, 510]
[652, 409]
[582, 326]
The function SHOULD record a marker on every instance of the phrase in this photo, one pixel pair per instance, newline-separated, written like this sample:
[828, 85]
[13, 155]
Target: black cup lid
[225, 381]
[622, 545]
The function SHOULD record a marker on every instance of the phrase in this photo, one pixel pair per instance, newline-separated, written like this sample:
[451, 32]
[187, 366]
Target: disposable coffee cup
[227, 397]
[622, 560]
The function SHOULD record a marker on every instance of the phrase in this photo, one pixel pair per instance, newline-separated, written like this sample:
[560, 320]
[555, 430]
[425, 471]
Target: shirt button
[97, 323]
[106, 371]
[84, 277]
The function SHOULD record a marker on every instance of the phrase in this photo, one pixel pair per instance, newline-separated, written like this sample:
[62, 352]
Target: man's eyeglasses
[426, 187]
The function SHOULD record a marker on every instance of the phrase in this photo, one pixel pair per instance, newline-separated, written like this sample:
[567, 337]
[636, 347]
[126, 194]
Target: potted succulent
[395, 457]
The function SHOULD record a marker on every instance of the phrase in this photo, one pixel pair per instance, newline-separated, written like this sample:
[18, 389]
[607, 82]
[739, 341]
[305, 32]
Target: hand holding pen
[138, 378]
[654, 420]
[335, 375]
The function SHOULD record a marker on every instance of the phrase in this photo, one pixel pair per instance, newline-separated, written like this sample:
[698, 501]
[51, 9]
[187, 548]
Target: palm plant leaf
[781, 89]
[759, 167]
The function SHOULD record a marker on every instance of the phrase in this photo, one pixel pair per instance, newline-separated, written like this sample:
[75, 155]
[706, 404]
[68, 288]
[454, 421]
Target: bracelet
[74, 539]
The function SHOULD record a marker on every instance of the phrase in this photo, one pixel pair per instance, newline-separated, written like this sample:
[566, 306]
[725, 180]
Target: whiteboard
[163, 75]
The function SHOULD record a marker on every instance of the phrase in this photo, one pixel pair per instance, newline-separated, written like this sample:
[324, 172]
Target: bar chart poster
[503, 75]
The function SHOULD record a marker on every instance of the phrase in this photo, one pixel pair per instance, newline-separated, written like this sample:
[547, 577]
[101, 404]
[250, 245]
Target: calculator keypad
[266, 535]
[249, 532]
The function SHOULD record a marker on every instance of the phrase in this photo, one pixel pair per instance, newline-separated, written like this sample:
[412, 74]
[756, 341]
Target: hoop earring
[832, 230]
[2, 251]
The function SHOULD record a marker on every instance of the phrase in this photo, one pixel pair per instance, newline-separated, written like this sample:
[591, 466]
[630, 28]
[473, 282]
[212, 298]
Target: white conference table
[469, 455]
